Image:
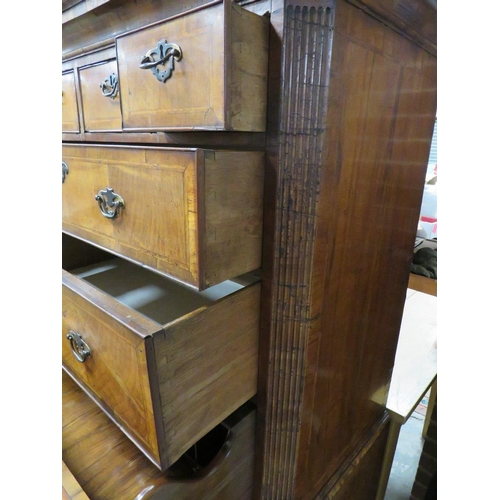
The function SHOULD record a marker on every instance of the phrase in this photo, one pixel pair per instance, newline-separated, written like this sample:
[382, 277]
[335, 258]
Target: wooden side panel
[194, 94]
[234, 184]
[359, 477]
[116, 371]
[158, 226]
[353, 142]
[207, 367]
[416, 20]
[248, 48]
[109, 467]
[381, 114]
[99, 112]
[70, 121]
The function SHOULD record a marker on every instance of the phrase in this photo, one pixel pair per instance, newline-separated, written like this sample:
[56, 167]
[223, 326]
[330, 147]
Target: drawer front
[100, 97]
[158, 224]
[195, 215]
[166, 386]
[116, 370]
[70, 121]
[213, 75]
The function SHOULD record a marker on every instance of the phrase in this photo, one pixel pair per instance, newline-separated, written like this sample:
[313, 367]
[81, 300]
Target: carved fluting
[307, 44]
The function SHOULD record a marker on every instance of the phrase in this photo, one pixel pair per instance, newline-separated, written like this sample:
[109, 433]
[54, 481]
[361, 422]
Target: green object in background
[425, 262]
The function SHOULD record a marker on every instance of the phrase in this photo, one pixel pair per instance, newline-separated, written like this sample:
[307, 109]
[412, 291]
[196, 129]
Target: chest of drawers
[160, 243]
[351, 99]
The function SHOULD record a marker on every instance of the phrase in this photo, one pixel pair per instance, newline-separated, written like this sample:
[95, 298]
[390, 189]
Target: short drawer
[100, 97]
[165, 362]
[203, 70]
[70, 121]
[192, 214]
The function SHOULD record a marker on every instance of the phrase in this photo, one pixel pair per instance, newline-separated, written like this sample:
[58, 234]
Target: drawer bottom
[109, 467]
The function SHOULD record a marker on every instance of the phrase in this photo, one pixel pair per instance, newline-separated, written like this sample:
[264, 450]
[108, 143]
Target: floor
[405, 464]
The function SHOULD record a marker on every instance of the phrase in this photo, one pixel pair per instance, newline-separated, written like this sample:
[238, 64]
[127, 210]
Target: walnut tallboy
[286, 136]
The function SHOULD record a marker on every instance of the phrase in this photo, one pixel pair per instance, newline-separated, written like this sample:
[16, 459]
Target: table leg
[390, 450]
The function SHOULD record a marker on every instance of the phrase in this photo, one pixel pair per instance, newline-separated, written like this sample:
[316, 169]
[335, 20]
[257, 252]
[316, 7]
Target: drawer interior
[159, 298]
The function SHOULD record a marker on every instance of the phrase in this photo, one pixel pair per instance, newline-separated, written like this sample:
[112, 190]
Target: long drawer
[191, 214]
[167, 363]
[204, 70]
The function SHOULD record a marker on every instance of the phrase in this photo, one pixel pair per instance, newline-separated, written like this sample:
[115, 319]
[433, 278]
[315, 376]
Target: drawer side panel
[207, 367]
[234, 185]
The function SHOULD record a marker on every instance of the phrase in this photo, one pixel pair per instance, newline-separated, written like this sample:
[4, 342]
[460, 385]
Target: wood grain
[234, 189]
[357, 478]
[165, 386]
[116, 372]
[167, 210]
[422, 284]
[100, 113]
[82, 32]
[109, 467]
[209, 86]
[71, 490]
[70, 121]
[416, 20]
[352, 146]
[207, 367]
[247, 46]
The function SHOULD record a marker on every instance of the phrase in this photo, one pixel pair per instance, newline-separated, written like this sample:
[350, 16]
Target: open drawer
[191, 214]
[204, 70]
[165, 362]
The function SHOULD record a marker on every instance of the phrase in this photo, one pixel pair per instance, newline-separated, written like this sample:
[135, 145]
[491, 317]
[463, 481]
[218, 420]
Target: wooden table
[415, 370]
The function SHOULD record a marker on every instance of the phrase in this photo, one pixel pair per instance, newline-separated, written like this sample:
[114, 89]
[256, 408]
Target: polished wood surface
[109, 467]
[83, 33]
[423, 284]
[70, 122]
[195, 215]
[116, 373]
[358, 476]
[414, 19]
[100, 113]
[166, 386]
[352, 147]
[224, 55]
[351, 103]
[71, 490]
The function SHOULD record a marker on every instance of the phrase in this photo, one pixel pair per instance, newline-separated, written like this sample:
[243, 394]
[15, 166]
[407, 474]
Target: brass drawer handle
[109, 87]
[65, 171]
[80, 348]
[109, 202]
[162, 54]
